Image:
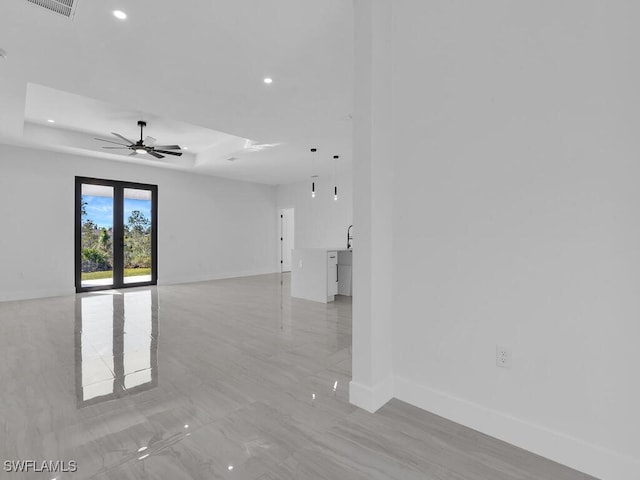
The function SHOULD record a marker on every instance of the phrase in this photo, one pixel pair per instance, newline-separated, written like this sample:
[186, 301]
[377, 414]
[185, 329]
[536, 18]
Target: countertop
[340, 249]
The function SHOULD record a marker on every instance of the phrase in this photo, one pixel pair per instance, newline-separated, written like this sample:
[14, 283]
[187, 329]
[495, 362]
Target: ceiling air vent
[66, 8]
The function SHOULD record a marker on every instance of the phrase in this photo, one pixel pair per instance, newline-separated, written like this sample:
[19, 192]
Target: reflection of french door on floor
[116, 340]
[116, 234]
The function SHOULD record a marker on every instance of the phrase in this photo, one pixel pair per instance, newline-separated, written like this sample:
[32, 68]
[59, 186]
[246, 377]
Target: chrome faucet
[349, 238]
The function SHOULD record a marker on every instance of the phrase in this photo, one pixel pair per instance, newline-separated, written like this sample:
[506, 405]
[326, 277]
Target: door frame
[283, 234]
[118, 232]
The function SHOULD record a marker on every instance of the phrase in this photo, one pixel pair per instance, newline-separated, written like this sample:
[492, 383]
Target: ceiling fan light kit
[144, 145]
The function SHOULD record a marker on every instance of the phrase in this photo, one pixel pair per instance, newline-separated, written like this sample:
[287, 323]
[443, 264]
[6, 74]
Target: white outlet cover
[503, 357]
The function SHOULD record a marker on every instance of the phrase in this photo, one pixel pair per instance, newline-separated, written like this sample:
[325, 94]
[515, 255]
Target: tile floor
[229, 379]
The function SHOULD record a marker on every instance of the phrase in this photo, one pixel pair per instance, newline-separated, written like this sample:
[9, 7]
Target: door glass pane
[137, 235]
[97, 235]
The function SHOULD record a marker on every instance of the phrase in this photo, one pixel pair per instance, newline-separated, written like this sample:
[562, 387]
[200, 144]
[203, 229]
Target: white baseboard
[573, 452]
[33, 294]
[62, 292]
[371, 399]
[217, 276]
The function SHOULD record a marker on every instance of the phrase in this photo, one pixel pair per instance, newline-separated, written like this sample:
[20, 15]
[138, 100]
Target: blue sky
[100, 209]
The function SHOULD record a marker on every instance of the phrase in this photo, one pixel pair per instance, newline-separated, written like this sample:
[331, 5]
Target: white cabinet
[332, 273]
[316, 274]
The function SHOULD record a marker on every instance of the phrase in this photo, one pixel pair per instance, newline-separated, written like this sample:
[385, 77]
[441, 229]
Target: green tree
[94, 260]
[137, 222]
[104, 240]
[137, 235]
[96, 243]
[90, 234]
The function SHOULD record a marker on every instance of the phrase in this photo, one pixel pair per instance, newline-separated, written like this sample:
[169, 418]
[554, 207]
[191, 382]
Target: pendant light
[313, 175]
[335, 181]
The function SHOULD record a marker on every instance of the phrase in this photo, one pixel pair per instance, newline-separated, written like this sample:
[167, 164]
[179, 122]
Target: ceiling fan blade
[167, 147]
[149, 141]
[177, 154]
[157, 155]
[133, 153]
[123, 138]
[103, 140]
[119, 148]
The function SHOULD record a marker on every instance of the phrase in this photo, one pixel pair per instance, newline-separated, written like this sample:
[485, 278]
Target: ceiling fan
[143, 147]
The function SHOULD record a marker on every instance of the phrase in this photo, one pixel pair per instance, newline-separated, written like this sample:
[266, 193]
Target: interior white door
[286, 238]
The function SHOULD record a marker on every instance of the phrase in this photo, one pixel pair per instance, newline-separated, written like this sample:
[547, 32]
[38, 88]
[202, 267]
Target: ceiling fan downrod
[142, 124]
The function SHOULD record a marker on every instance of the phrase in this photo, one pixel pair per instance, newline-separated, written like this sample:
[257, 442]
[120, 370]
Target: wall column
[372, 383]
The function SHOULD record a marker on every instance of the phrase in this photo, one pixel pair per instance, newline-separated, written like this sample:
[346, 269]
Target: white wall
[371, 385]
[320, 222]
[207, 227]
[516, 205]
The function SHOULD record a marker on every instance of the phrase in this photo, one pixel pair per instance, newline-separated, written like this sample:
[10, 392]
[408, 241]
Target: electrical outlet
[503, 357]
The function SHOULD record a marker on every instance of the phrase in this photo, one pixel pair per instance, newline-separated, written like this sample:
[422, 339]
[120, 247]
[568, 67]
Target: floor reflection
[116, 342]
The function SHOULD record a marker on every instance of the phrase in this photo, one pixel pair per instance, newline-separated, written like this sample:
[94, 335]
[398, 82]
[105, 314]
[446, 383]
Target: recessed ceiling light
[51, 120]
[3, 53]
[268, 81]
[185, 148]
[119, 14]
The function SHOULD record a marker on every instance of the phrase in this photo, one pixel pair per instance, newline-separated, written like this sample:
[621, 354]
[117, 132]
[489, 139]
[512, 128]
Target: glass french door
[116, 234]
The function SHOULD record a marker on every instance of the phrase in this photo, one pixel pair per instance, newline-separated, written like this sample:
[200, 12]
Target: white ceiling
[194, 71]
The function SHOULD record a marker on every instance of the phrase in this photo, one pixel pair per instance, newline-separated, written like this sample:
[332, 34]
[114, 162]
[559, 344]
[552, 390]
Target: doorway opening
[286, 238]
[116, 234]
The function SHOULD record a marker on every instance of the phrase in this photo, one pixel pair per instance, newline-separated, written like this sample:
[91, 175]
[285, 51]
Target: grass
[128, 272]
